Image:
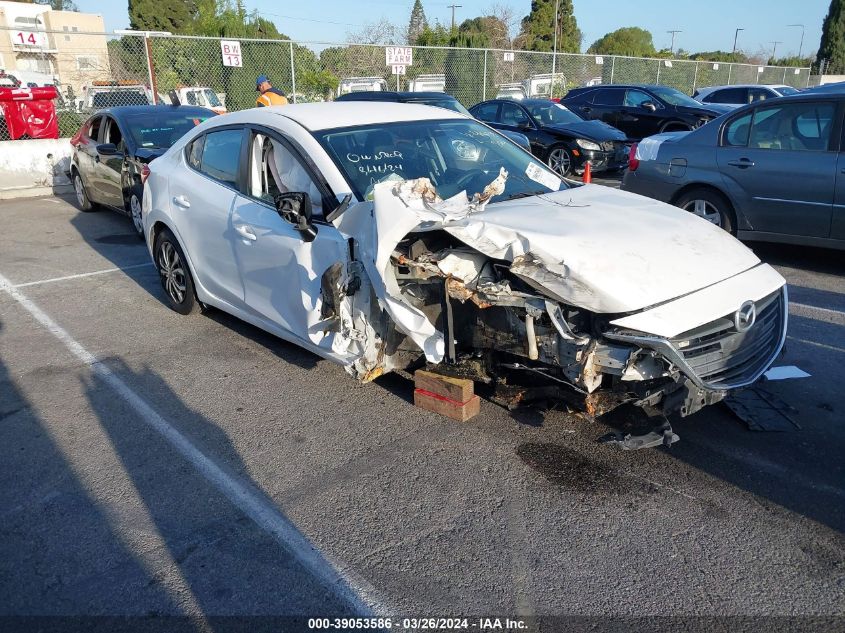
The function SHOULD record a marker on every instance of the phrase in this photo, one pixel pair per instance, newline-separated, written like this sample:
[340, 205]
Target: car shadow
[805, 258]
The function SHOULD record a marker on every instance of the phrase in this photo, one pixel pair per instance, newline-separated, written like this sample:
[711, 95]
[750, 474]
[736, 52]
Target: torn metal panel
[761, 410]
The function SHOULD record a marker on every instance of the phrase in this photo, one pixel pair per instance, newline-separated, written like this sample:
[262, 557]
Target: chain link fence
[97, 70]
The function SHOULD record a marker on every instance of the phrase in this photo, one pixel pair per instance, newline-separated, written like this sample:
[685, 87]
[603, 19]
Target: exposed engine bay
[486, 301]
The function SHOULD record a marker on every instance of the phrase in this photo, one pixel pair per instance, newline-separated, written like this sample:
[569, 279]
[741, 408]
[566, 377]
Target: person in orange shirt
[269, 96]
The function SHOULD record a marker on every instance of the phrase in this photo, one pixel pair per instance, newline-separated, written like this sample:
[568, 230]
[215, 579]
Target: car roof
[393, 95]
[533, 101]
[119, 111]
[338, 114]
[709, 89]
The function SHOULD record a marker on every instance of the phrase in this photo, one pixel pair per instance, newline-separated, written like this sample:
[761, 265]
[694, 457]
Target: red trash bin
[30, 112]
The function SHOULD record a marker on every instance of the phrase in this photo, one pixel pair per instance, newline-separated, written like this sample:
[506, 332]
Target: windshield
[159, 131]
[552, 114]
[675, 97]
[455, 155]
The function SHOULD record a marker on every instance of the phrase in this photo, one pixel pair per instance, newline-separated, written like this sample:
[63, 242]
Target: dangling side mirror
[295, 207]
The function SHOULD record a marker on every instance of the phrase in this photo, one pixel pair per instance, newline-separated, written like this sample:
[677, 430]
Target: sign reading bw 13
[399, 55]
[231, 50]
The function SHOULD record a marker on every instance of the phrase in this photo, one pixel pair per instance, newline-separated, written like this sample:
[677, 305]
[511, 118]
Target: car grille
[724, 358]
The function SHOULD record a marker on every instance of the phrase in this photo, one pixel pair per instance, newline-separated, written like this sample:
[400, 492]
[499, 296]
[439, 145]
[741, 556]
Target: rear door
[837, 224]
[110, 168]
[202, 198]
[779, 165]
[605, 105]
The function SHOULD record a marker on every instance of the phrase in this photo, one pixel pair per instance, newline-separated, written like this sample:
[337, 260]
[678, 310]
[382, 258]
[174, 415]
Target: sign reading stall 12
[231, 51]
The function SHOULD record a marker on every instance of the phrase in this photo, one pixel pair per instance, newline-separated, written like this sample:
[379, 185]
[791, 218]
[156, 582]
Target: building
[42, 46]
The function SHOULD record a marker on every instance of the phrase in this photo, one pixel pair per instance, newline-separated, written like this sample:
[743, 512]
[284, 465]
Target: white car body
[658, 280]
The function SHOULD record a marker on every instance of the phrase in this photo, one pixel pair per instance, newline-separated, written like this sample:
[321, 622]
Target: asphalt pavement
[153, 465]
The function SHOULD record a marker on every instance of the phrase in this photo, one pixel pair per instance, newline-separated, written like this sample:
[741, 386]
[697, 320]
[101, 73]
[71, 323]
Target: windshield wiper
[526, 194]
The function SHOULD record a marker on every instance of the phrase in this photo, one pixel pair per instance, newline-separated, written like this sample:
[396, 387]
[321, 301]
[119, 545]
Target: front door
[282, 273]
[778, 165]
[513, 118]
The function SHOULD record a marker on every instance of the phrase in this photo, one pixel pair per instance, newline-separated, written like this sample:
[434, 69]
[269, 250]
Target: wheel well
[699, 185]
[158, 227]
[675, 124]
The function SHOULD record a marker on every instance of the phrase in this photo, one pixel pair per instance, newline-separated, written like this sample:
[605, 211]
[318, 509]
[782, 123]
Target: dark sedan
[772, 171]
[437, 99]
[641, 111]
[562, 139]
[112, 148]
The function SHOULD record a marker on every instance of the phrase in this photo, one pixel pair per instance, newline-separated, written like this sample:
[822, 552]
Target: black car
[112, 147]
[439, 99]
[641, 111]
[559, 137]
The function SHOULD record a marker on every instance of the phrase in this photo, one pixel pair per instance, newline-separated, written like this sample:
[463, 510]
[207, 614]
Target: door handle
[586, 110]
[742, 163]
[96, 158]
[246, 232]
[181, 201]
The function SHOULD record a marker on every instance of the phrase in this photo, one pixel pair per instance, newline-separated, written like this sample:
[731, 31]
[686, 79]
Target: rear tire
[174, 273]
[82, 198]
[133, 205]
[709, 205]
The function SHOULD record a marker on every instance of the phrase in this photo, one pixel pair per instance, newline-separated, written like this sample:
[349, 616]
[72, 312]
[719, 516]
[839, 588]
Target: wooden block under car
[460, 411]
[459, 389]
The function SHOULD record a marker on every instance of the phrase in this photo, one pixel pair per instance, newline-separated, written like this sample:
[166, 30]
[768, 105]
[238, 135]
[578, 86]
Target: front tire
[82, 198]
[133, 205]
[175, 276]
[560, 160]
[709, 205]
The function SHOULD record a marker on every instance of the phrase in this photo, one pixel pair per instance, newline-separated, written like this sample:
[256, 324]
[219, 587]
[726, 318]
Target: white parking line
[80, 275]
[804, 306]
[347, 584]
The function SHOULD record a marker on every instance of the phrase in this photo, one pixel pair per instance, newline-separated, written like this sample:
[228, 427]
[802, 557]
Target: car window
[274, 169]
[486, 112]
[635, 98]
[608, 96]
[759, 94]
[112, 133]
[512, 114]
[193, 152]
[221, 154]
[162, 128]
[794, 126]
[94, 128]
[736, 132]
[727, 95]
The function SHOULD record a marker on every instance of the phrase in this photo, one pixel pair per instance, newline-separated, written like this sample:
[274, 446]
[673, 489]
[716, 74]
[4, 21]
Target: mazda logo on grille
[744, 317]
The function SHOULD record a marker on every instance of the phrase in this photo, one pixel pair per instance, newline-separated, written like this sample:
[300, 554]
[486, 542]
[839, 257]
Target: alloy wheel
[172, 271]
[135, 210]
[560, 161]
[79, 189]
[704, 209]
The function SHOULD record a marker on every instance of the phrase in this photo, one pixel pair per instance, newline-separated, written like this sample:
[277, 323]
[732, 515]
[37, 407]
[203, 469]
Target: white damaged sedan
[381, 235]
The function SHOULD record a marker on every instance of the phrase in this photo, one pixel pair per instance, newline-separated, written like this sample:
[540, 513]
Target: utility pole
[774, 48]
[736, 35]
[554, 52]
[672, 46]
[801, 45]
[453, 7]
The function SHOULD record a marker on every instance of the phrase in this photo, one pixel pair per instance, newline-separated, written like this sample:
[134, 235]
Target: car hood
[603, 250]
[591, 130]
[711, 109]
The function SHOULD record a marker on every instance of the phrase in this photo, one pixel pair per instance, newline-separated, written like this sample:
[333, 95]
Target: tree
[436, 36]
[721, 56]
[417, 24]
[832, 46]
[464, 69]
[59, 5]
[175, 16]
[494, 30]
[538, 27]
[630, 41]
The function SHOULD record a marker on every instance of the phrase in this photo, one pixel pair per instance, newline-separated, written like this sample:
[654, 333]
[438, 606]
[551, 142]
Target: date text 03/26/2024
[418, 624]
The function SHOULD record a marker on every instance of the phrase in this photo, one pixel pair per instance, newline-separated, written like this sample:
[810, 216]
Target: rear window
[608, 96]
[160, 130]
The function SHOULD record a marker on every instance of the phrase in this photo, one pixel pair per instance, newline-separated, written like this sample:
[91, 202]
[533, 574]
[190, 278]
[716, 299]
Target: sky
[705, 25]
